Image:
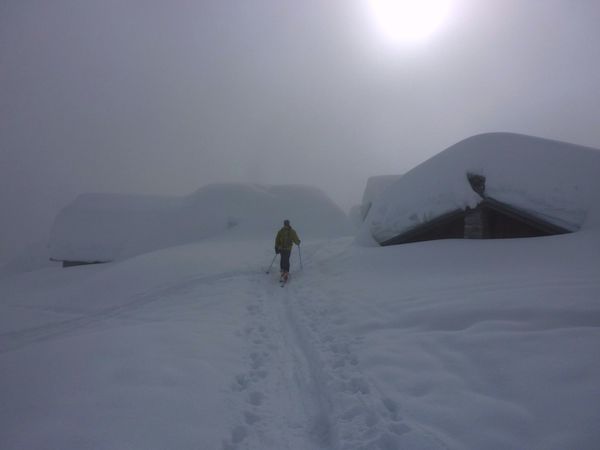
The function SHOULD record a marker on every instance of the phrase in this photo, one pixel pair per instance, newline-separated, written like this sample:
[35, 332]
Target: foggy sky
[162, 97]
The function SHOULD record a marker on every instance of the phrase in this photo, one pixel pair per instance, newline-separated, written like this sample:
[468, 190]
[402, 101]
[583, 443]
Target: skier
[285, 240]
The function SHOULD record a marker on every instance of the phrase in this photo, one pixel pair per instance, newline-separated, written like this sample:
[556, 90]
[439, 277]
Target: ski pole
[269, 269]
[300, 254]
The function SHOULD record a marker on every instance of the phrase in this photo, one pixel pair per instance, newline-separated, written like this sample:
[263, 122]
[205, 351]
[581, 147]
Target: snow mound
[376, 186]
[555, 181]
[106, 227]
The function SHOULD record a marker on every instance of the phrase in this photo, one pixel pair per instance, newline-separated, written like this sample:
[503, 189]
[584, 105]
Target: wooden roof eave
[412, 233]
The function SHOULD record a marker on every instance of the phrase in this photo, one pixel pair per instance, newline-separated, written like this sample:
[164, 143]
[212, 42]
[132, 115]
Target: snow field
[139, 376]
[468, 336]
[452, 344]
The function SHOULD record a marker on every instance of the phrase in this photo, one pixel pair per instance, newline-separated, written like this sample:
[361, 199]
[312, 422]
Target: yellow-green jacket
[286, 238]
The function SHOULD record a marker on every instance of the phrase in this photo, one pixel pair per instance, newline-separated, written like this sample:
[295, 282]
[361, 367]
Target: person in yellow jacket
[285, 240]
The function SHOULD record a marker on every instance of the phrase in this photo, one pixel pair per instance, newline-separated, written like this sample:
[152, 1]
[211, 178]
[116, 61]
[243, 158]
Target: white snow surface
[375, 187]
[441, 345]
[107, 227]
[556, 181]
[456, 344]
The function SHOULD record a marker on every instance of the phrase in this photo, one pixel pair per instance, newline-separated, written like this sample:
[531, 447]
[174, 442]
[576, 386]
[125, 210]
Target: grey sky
[165, 96]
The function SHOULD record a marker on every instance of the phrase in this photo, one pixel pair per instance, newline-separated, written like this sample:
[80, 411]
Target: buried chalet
[99, 228]
[496, 185]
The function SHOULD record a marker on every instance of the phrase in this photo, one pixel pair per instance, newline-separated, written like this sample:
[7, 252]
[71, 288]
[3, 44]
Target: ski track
[279, 399]
[303, 388]
[14, 340]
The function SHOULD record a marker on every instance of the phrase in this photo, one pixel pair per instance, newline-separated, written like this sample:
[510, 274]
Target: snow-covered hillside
[107, 227]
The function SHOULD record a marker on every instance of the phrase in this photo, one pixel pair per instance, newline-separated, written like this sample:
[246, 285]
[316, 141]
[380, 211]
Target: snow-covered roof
[555, 181]
[376, 185]
[105, 227]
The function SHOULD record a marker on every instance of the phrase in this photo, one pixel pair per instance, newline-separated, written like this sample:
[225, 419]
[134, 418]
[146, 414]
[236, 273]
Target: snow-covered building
[376, 185]
[98, 228]
[495, 185]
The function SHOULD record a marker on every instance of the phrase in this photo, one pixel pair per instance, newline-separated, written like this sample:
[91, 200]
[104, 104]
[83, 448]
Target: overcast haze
[162, 97]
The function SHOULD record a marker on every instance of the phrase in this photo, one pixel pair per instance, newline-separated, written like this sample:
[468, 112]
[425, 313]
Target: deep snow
[437, 345]
[375, 187]
[451, 344]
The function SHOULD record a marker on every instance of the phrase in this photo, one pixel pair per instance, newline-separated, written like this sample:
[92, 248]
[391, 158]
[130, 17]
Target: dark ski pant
[284, 263]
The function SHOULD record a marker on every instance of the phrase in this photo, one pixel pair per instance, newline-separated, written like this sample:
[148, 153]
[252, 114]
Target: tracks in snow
[303, 388]
[14, 340]
[280, 398]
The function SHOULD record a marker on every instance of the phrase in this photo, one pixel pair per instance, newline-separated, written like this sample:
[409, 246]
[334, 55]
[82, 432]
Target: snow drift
[375, 187]
[555, 181]
[105, 227]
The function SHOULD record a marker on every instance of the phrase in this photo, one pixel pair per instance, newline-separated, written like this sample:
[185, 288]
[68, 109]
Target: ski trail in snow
[307, 375]
[303, 388]
[14, 340]
[281, 398]
[362, 417]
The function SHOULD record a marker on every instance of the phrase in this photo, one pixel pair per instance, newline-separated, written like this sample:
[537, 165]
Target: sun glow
[408, 20]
